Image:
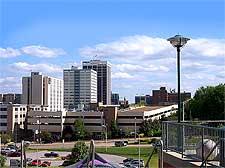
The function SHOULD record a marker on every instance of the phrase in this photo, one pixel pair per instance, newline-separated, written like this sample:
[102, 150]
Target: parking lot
[116, 160]
[40, 155]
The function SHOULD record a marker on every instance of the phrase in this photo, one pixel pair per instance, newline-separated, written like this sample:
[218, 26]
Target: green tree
[45, 136]
[6, 138]
[114, 129]
[208, 103]
[79, 130]
[151, 128]
[2, 161]
[68, 132]
[79, 151]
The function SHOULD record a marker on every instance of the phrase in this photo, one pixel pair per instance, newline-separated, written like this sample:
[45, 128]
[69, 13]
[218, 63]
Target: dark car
[45, 164]
[51, 154]
[120, 143]
[66, 157]
[14, 154]
[127, 160]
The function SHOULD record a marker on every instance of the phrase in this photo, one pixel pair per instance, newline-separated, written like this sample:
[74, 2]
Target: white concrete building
[12, 115]
[104, 81]
[43, 90]
[126, 119]
[80, 87]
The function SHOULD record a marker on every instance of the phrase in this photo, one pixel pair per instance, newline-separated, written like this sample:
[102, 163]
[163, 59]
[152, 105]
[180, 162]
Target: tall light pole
[105, 126]
[178, 42]
[135, 129]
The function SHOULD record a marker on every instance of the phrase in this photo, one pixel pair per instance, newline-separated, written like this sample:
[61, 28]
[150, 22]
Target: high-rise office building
[103, 69]
[115, 99]
[43, 90]
[80, 87]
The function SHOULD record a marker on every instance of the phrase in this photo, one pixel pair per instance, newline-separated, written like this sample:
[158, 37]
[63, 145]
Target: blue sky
[49, 35]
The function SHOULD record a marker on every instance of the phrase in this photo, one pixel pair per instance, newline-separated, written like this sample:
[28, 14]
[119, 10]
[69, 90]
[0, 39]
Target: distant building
[10, 97]
[103, 69]
[80, 87]
[148, 100]
[143, 99]
[140, 99]
[159, 96]
[162, 97]
[173, 97]
[115, 99]
[43, 90]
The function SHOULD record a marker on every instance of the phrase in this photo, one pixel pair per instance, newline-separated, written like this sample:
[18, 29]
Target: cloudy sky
[49, 35]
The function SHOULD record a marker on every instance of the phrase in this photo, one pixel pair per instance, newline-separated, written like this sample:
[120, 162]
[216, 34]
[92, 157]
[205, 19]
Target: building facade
[12, 115]
[103, 69]
[115, 99]
[43, 90]
[80, 87]
[10, 98]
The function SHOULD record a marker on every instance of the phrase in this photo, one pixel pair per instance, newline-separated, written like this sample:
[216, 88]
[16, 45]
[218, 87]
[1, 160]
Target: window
[3, 124]
[16, 109]
[3, 116]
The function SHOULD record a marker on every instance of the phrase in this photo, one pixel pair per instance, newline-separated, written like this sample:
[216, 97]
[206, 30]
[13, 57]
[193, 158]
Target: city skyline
[130, 35]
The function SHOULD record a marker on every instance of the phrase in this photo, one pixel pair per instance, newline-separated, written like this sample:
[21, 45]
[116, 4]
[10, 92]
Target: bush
[2, 161]
[79, 151]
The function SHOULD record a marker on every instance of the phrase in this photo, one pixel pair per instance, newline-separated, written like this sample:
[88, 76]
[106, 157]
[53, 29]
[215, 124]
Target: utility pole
[135, 130]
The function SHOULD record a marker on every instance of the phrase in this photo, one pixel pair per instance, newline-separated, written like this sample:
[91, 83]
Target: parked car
[128, 164]
[13, 146]
[6, 151]
[136, 162]
[121, 143]
[45, 164]
[127, 160]
[66, 157]
[14, 154]
[35, 163]
[51, 154]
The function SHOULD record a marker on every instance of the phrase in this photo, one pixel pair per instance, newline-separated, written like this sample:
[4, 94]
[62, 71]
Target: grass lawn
[131, 152]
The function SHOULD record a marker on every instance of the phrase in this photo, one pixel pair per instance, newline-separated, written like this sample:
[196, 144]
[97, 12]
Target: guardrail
[195, 141]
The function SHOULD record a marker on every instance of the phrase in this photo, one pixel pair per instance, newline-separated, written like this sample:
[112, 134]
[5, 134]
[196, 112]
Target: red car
[66, 157]
[45, 164]
[14, 154]
[35, 163]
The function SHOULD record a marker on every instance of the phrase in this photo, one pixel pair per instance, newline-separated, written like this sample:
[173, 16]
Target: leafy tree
[114, 129]
[208, 103]
[6, 138]
[45, 136]
[79, 130]
[151, 128]
[68, 132]
[2, 161]
[79, 151]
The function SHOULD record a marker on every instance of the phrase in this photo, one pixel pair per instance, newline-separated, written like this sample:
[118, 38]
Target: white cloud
[206, 47]
[10, 84]
[9, 52]
[122, 75]
[140, 68]
[40, 51]
[129, 47]
[145, 48]
[42, 67]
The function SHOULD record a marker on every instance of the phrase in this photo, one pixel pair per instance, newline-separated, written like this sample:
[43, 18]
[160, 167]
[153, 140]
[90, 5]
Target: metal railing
[195, 141]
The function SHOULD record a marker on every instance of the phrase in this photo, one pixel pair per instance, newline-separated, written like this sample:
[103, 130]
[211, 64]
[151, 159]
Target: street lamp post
[105, 126]
[178, 42]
